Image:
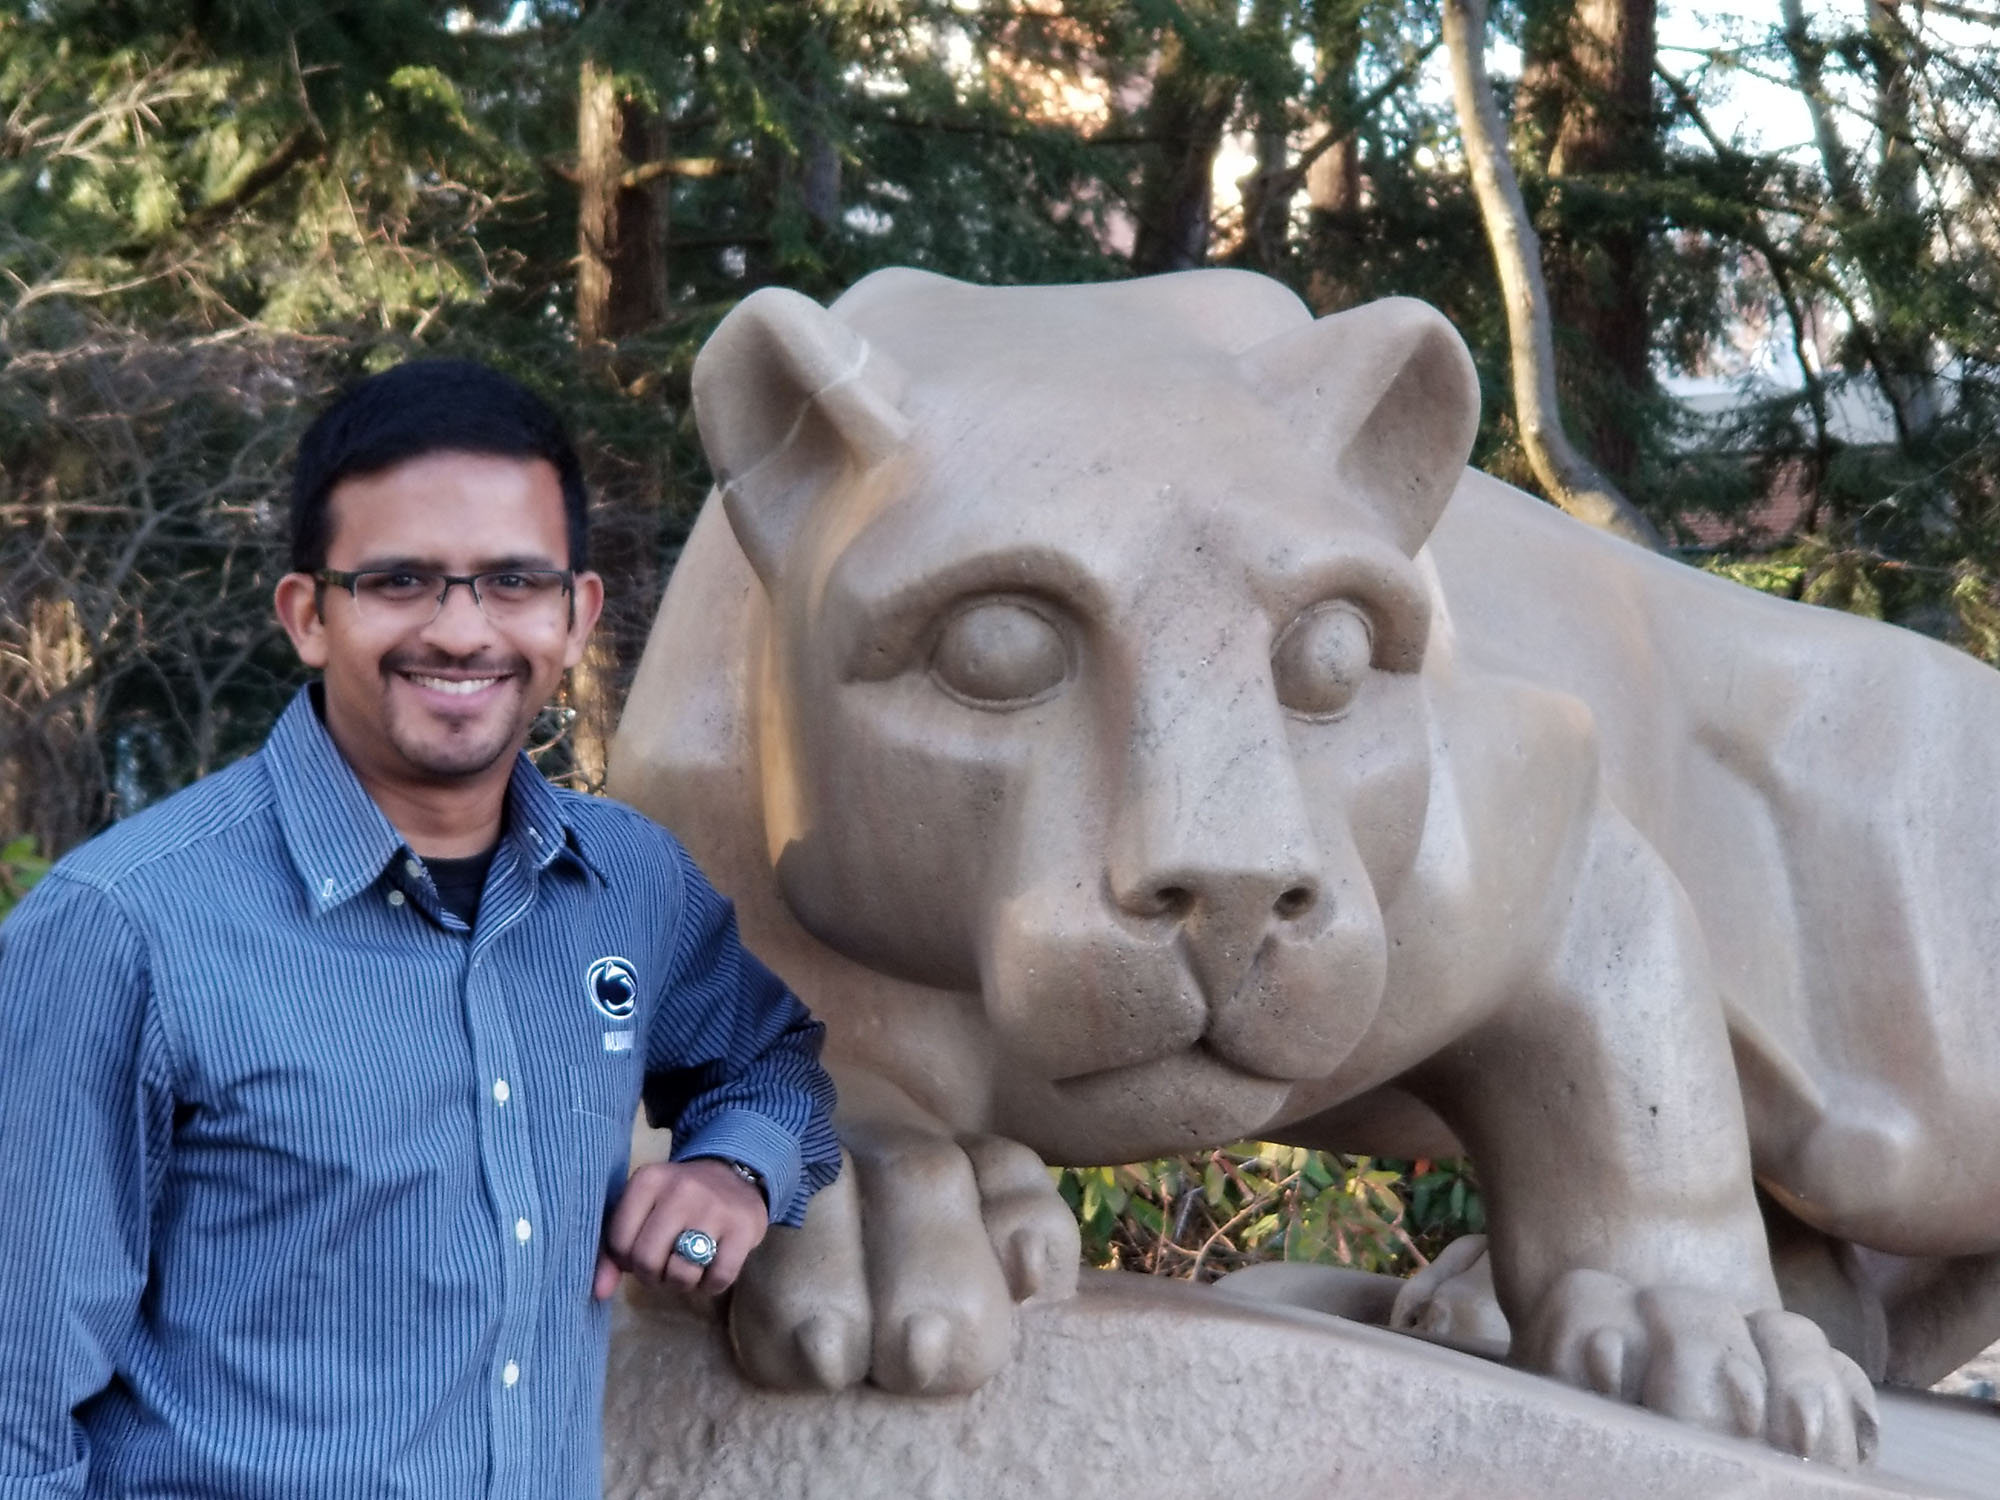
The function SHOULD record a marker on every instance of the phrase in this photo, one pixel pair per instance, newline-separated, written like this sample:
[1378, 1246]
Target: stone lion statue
[1121, 714]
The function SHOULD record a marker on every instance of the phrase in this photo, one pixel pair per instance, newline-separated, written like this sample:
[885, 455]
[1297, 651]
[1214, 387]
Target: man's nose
[459, 624]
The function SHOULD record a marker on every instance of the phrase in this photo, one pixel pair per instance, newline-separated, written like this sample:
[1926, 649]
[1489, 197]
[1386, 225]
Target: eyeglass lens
[512, 593]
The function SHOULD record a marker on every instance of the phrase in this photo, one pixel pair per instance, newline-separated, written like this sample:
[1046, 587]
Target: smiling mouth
[458, 687]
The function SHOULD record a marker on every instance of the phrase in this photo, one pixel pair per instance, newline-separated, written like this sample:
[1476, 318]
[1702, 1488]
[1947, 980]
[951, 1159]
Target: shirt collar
[340, 841]
[535, 817]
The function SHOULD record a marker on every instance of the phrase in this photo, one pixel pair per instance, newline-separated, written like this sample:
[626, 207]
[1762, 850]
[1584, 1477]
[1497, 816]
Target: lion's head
[1093, 678]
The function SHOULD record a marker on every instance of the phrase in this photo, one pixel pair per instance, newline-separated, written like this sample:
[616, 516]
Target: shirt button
[510, 1374]
[522, 1229]
[500, 1091]
[413, 868]
[395, 898]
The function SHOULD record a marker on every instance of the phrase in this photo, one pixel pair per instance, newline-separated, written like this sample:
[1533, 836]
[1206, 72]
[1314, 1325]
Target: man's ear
[586, 598]
[1387, 394]
[297, 602]
[787, 397]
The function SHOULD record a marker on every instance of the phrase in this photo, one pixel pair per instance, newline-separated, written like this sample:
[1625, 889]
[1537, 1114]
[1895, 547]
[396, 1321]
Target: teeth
[458, 685]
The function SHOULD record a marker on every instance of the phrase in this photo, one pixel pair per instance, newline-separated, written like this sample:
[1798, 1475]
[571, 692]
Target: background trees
[214, 212]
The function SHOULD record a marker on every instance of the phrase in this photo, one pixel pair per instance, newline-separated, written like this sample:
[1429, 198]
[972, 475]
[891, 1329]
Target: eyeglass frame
[345, 579]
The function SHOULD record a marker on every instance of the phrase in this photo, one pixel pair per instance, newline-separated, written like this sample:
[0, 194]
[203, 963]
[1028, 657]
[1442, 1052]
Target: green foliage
[20, 868]
[1198, 1217]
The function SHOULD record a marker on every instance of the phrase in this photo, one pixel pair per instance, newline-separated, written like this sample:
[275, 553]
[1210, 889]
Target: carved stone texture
[1120, 714]
[1141, 1386]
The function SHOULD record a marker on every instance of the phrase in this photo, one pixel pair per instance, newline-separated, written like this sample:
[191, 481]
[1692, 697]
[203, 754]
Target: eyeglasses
[415, 596]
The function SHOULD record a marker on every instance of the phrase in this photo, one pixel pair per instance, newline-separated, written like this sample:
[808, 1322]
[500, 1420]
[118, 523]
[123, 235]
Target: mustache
[437, 663]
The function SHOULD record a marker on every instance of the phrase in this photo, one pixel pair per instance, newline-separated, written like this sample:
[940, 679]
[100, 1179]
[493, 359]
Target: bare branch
[1573, 482]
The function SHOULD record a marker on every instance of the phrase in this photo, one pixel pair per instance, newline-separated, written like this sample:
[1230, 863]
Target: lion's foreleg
[1601, 1103]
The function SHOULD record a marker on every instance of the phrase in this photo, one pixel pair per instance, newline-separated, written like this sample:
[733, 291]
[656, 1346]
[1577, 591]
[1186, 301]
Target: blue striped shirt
[304, 1181]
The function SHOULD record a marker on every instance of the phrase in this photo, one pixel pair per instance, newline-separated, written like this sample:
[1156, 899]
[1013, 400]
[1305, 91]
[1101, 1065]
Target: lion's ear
[1388, 394]
[786, 396]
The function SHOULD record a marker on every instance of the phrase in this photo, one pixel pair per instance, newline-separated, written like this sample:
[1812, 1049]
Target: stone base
[1175, 1392]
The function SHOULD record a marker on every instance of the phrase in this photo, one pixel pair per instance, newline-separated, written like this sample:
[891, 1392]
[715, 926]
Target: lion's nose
[1179, 898]
[1226, 917]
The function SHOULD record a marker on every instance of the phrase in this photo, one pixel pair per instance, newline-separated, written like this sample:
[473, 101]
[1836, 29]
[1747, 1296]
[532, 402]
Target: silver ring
[695, 1247]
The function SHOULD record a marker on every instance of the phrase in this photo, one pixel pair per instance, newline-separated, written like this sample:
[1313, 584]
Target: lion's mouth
[1202, 1052]
[1095, 1012]
[1183, 1100]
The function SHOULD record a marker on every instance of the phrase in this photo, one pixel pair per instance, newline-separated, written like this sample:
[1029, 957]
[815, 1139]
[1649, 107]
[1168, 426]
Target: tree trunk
[1541, 95]
[1268, 191]
[1807, 60]
[1333, 181]
[1599, 277]
[621, 290]
[621, 273]
[1570, 479]
[1911, 382]
[1901, 366]
[1186, 116]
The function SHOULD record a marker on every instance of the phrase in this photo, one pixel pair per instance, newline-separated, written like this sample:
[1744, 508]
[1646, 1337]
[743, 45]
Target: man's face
[413, 699]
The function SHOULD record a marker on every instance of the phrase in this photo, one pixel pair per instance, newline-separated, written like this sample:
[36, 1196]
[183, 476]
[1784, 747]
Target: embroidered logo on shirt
[614, 987]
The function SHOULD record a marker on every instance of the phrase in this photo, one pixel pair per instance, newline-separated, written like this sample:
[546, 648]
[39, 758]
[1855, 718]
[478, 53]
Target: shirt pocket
[597, 1146]
[607, 1087]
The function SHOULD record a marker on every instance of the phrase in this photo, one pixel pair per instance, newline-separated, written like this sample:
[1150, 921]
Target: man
[316, 1079]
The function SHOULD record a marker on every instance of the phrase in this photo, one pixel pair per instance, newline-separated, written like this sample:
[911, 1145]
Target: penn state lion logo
[1120, 714]
[614, 987]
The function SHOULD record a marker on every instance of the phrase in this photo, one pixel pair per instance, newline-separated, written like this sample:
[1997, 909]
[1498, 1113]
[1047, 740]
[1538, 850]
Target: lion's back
[1817, 781]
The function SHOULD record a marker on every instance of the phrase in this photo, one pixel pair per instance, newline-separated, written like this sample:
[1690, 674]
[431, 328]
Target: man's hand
[667, 1197]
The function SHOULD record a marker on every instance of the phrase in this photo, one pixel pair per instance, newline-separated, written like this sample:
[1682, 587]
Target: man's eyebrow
[537, 562]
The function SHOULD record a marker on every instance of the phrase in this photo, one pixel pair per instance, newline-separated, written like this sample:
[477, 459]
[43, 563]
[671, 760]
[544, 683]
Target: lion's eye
[1321, 660]
[1001, 654]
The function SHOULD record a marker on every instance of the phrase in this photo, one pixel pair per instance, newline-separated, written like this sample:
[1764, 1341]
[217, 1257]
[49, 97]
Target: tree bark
[1189, 108]
[1333, 181]
[1268, 191]
[621, 274]
[623, 179]
[1902, 366]
[1911, 382]
[1541, 93]
[1807, 57]
[1573, 482]
[1599, 282]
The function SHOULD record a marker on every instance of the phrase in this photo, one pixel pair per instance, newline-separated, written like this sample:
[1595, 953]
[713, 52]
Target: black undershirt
[459, 882]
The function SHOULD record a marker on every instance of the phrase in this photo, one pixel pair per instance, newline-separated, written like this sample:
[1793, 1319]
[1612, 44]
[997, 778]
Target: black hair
[426, 406]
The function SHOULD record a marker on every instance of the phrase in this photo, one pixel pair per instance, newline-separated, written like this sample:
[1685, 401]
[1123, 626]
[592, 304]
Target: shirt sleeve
[86, 1113]
[732, 1059]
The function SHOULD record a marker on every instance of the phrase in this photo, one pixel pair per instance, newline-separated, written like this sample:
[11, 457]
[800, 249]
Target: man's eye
[395, 584]
[510, 583]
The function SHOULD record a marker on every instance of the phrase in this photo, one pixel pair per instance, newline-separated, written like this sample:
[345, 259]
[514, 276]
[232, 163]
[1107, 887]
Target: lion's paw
[799, 1314]
[906, 1270]
[1692, 1355]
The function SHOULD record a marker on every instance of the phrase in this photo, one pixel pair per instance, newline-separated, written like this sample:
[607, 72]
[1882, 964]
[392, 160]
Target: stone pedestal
[1172, 1392]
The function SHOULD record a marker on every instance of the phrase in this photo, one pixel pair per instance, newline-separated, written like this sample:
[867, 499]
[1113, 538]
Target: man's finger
[643, 1194]
[605, 1282]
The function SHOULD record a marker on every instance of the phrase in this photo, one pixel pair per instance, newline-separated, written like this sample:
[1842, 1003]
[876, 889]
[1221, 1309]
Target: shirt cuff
[766, 1148]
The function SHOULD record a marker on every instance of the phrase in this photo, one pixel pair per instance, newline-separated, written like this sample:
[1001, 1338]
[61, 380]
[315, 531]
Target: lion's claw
[833, 1350]
[925, 1352]
[1692, 1355]
[906, 1270]
[1604, 1362]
